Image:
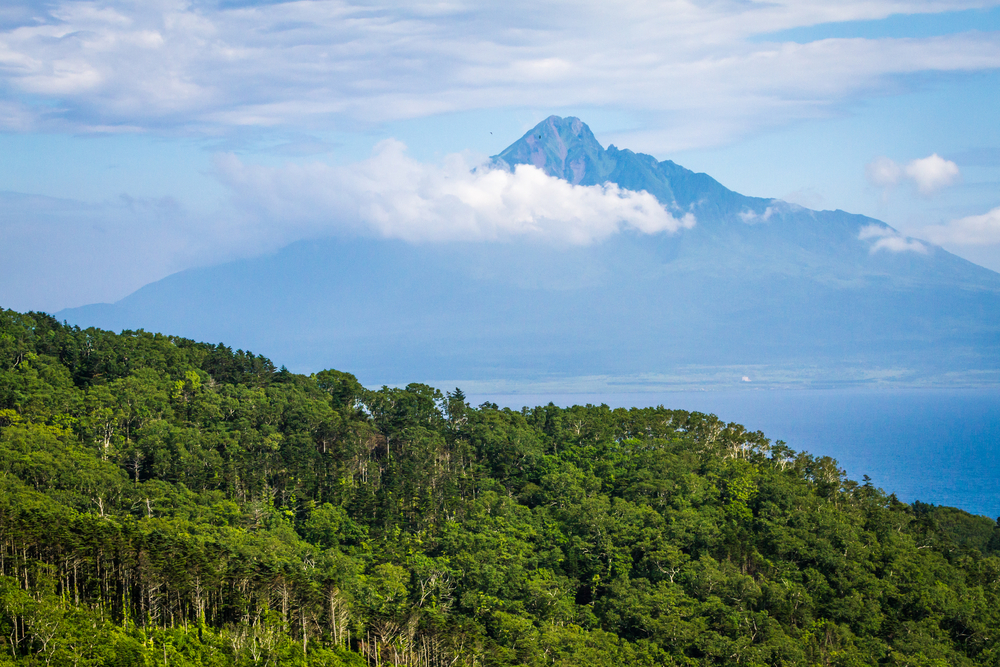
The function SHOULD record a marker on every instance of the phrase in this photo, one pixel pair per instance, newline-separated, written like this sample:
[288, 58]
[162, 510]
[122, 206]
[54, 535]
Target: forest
[170, 502]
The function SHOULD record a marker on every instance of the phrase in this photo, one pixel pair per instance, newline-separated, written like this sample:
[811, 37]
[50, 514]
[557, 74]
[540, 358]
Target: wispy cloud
[974, 230]
[887, 238]
[751, 217]
[206, 67]
[394, 196]
[883, 172]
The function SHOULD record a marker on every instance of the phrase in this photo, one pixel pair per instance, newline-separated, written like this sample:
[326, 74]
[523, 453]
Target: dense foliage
[166, 501]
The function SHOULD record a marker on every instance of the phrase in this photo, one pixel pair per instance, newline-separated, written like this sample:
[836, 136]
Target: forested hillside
[170, 502]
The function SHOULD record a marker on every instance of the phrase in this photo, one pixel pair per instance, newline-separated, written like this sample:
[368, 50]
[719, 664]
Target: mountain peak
[566, 148]
[561, 147]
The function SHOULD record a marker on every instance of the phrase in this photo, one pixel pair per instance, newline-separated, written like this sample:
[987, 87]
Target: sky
[141, 138]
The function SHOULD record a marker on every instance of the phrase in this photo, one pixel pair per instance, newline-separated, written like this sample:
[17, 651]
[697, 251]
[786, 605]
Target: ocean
[939, 446]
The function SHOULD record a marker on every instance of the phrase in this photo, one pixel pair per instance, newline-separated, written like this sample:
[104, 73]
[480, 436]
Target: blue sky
[139, 139]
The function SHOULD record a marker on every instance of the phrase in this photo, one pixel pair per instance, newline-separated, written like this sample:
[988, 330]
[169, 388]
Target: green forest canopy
[170, 502]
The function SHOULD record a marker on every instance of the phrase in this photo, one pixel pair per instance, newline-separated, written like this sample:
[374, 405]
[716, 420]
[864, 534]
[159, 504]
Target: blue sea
[939, 446]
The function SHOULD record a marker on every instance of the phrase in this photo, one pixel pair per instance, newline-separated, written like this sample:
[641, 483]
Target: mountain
[758, 288]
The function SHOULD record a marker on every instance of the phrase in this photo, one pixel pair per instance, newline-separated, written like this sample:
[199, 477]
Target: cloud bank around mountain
[391, 195]
[177, 66]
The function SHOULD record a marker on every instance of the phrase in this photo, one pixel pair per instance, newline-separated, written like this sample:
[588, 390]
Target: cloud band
[395, 196]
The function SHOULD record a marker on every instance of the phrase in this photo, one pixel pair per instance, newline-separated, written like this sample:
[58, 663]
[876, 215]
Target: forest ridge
[164, 501]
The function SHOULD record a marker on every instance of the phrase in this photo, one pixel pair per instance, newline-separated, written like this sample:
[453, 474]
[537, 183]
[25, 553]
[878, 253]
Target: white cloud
[395, 196]
[974, 230]
[887, 238]
[208, 67]
[929, 174]
[932, 173]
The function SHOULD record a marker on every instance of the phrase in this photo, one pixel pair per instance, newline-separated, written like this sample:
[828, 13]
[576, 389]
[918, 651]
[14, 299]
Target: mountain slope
[793, 294]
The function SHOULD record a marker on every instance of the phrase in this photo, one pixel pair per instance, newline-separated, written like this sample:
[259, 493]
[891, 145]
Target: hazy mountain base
[522, 314]
[165, 500]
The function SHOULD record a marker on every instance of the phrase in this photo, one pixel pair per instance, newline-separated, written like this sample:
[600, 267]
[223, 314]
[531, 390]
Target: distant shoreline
[728, 378]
